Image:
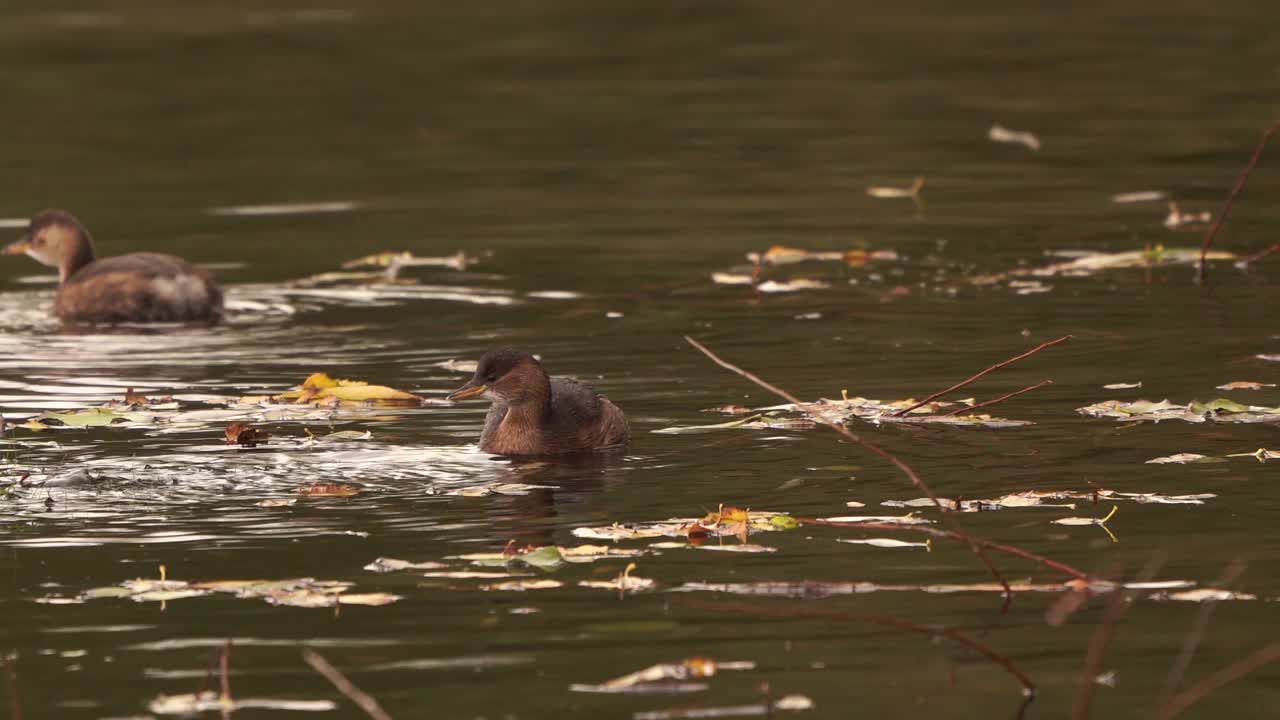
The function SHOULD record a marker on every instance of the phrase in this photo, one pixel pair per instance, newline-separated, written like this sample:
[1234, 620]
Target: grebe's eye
[490, 376]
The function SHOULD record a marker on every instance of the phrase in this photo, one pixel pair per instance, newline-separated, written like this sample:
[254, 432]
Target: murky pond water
[601, 164]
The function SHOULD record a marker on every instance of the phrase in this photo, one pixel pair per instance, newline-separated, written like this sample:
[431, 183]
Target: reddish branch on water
[1231, 198]
[982, 374]
[998, 400]
[906, 469]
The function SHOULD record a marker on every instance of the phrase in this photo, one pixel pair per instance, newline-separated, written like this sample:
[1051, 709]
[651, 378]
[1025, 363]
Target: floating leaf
[1262, 454]
[523, 585]
[298, 592]
[888, 543]
[1178, 219]
[1100, 522]
[1245, 385]
[790, 286]
[209, 701]
[658, 677]
[625, 582]
[739, 548]
[908, 519]
[724, 278]
[1139, 196]
[913, 191]
[1087, 263]
[1220, 410]
[386, 565]
[1205, 595]
[1179, 458]
[91, 417]
[459, 261]
[1001, 134]
[319, 387]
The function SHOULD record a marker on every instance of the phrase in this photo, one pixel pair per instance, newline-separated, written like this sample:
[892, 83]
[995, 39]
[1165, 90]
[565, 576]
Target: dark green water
[623, 154]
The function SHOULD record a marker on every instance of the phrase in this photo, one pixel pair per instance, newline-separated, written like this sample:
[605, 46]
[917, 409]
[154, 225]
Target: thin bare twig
[15, 706]
[956, 537]
[1249, 260]
[1231, 198]
[1194, 694]
[982, 374]
[998, 400]
[1116, 609]
[893, 459]
[362, 699]
[1028, 687]
[1196, 632]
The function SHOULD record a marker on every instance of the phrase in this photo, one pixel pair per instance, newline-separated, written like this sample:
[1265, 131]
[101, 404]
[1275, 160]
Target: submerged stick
[11, 679]
[1194, 694]
[1231, 198]
[224, 674]
[956, 537]
[893, 459]
[998, 400]
[980, 375]
[364, 700]
[1028, 687]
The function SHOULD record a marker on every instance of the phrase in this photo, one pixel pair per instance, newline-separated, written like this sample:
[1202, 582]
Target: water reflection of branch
[1116, 609]
[362, 699]
[1196, 632]
[980, 375]
[1194, 694]
[893, 459]
[1028, 687]
[11, 679]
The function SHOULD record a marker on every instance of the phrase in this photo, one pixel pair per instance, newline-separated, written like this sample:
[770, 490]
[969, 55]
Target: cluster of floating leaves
[784, 417]
[1220, 410]
[318, 398]
[292, 592]
[1168, 590]
[1261, 455]
[1086, 263]
[762, 264]
[1048, 499]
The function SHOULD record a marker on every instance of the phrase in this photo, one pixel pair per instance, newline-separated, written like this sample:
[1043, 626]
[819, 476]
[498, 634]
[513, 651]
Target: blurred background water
[602, 160]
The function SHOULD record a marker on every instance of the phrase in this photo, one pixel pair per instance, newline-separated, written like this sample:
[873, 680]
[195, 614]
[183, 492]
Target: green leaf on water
[94, 417]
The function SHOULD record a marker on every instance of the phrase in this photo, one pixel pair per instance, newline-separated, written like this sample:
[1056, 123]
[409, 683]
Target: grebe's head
[57, 239]
[505, 375]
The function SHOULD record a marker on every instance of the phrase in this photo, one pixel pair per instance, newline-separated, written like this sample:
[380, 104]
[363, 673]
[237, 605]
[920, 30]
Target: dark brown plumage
[139, 287]
[534, 414]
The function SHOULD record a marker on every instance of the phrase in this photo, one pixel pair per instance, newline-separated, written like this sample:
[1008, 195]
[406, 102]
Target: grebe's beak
[470, 390]
[19, 246]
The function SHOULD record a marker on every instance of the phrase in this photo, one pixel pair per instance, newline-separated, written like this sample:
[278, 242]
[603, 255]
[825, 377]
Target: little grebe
[534, 414]
[140, 287]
